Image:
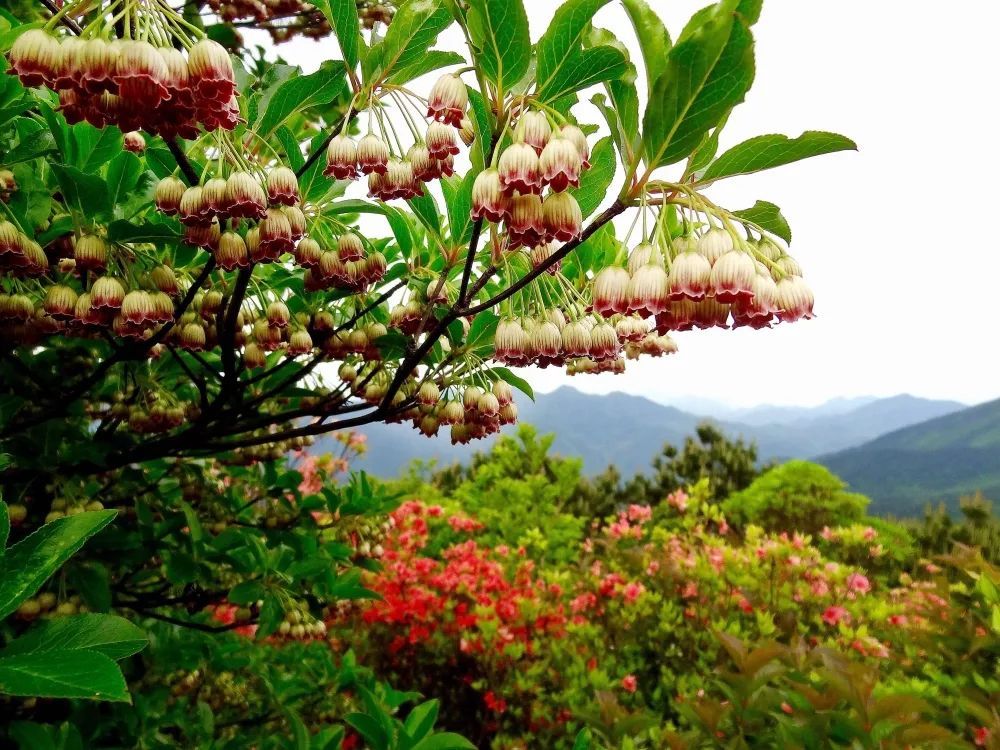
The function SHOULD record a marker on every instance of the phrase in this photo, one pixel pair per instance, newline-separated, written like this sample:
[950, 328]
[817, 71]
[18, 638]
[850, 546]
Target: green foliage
[796, 495]
[770, 151]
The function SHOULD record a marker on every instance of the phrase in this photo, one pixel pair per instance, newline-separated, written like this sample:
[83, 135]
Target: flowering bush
[624, 636]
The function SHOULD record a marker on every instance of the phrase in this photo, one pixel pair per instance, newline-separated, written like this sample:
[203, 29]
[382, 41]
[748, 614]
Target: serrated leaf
[39, 555]
[94, 147]
[430, 61]
[413, 30]
[767, 216]
[69, 674]
[499, 31]
[343, 18]
[707, 73]
[770, 151]
[300, 92]
[84, 192]
[113, 636]
[123, 175]
[30, 147]
[654, 39]
[595, 181]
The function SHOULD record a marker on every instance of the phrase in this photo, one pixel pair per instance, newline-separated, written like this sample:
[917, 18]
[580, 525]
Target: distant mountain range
[935, 460]
[629, 431]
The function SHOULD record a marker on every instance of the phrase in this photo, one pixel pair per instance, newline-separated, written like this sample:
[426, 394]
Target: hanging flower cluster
[136, 81]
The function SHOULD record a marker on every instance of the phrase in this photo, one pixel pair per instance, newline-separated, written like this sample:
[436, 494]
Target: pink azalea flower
[629, 683]
[834, 615]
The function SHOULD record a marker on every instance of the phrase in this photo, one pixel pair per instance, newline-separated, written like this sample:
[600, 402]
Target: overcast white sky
[898, 241]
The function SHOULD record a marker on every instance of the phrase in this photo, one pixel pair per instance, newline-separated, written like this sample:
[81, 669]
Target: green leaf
[369, 729]
[126, 231]
[654, 39]
[30, 147]
[767, 216]
[413, 30]
[87, 193]
[92, 580]
[595, 181]
[69, 674]
[499, 31]
[709, 147]
[458, 198]
[427, 62]
[113, 636]
[300, 92]
[94, 146]
[246, 592]
[421, 719]
[343, 17]
[426, 210]
[293, 153]
[583, 740]
[39, 555]
[123, 175]
[444, 741]
[769, 151]
[707, 73]
[563, 65]
[513, 380]
[4, 530]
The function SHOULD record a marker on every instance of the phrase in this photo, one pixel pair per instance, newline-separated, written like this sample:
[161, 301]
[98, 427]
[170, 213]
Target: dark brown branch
[69, 23]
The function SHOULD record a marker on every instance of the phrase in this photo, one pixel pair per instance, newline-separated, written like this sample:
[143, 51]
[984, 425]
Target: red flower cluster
[130, 83]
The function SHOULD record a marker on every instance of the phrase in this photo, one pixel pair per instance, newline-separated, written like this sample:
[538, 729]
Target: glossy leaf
[767, 216]
[563, 65]
[769, 151]
[707, 74]
[68, 674]
[654, 39]
[113, 636]
[299, 92]
[444, 741]
[513, 380]
[39, 555]
[413, 30]
[343, 18]
[87, 193]
[594, 183]
[430, 61]
[499, 30]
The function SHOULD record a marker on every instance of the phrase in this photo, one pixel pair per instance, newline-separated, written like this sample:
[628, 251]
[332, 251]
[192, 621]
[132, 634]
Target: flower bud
[192, 337]
[165, 280]
[296, 220]
[253, 356]
[732, 277]
[519, 170]
[611, 291]
[794, 299]
[441, 141]
[308, 253]
[35, 58]
[577, 137]
[714, 244]
[789, 266]
[300, 342]
[211, 71]
[560, 164]
[277, 314]
[649, 290]
[373, 154]
[275, 236]
[107, 293]
[563, 218]
[60, 302]
[283, 186]
[488, 198]
[91, 253]
[232, 252]
[604, 342]
[134, 142]
[168, 196]
[534, 130]
[342, 159]
[526, 225]
[448, 100]
[140, 74]
[642, 254]
[690, 274]
[467, 131]
[245, 198]
[350, 247]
